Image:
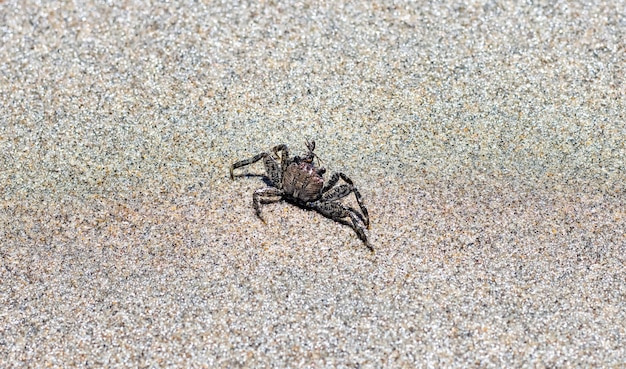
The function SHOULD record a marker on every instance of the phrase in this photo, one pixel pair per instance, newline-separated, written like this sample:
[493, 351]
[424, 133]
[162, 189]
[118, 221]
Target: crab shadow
[263, 177]
[266, 180]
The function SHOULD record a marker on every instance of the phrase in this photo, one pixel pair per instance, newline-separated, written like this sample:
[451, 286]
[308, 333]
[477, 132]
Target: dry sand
[487, 139]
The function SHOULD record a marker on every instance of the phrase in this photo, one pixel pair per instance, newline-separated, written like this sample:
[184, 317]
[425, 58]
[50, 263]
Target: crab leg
[284, 158]
[272, 168]
[331, 194]
[260, 196]
[337, 212]
[245, 162]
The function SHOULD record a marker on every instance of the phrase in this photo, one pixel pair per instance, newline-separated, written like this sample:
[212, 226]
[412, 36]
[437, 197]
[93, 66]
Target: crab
[298, 181]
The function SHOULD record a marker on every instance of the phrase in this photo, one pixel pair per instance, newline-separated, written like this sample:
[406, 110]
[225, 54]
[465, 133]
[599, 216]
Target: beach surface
[487, 139]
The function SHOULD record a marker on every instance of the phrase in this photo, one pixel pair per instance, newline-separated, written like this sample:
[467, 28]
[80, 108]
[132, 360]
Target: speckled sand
[487, 138]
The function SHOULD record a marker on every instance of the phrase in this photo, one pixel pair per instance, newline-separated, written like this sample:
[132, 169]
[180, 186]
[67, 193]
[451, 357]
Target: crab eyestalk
[310, 145]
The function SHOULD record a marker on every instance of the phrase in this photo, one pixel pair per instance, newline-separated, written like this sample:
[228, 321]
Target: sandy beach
[487, 139]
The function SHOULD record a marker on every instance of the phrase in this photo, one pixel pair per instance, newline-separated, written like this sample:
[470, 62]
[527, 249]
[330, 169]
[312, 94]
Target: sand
[487, 139]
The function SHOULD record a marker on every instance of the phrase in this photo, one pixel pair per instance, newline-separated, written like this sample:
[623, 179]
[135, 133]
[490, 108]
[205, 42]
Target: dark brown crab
[297, 180]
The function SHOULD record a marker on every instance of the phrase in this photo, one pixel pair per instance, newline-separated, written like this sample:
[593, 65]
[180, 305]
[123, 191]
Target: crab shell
[303, 182]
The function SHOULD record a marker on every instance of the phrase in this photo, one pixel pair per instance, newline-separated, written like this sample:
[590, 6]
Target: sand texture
[487, 138]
